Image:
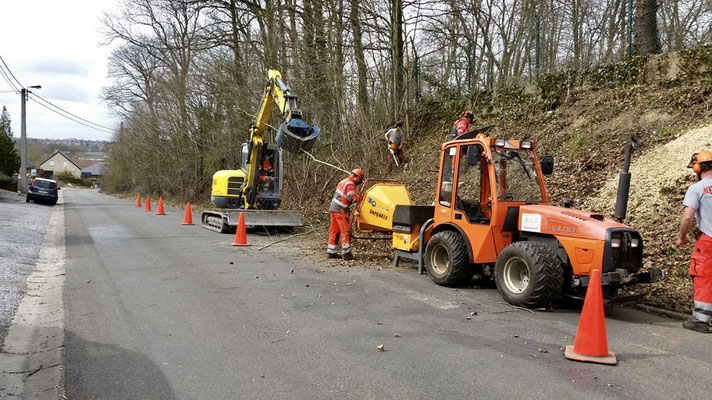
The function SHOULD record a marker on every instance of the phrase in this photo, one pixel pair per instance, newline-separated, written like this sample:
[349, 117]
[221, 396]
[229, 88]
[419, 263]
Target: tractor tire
[447, 261]
[529, 274]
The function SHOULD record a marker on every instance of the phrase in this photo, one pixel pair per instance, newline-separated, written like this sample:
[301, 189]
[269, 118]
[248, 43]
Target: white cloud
[55, 66]
[57, 44]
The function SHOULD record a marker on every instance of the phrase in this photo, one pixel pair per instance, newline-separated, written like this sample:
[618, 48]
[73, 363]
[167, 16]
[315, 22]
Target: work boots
[695, 325]
[348, 256]
[332, 255]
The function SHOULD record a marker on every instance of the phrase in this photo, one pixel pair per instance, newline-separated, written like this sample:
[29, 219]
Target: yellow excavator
[256, 188]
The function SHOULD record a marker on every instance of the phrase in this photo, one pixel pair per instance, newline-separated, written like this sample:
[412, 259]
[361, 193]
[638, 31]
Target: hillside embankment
[584, 119]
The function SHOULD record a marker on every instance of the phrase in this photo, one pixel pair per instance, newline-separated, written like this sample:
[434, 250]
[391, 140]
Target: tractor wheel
[446, 259]
[529, 274]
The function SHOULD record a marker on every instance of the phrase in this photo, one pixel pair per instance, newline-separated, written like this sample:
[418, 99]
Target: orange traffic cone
[241, 233]
[160, 207]
[138, 200]
[591, 344]
[148, 203]
[188, 218]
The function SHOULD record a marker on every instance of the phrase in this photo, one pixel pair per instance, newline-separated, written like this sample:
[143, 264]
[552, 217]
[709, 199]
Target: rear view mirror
[474, 155]
[547, 165]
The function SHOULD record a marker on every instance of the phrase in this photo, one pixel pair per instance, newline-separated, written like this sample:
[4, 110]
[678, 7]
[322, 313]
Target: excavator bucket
[297, 135]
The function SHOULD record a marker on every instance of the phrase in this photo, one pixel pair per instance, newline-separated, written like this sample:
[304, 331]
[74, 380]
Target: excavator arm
[293, 135]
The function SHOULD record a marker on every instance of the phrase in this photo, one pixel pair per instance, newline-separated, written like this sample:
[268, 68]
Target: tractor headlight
[616, 243]
[526, 145]
[500, 142]
[634, 242]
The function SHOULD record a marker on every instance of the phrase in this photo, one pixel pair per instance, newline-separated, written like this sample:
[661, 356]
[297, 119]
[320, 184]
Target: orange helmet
[358, 173]
[699, 158]
[394, 146]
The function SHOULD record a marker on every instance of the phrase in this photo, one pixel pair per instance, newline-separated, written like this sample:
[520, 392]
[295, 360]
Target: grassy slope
[584, 119]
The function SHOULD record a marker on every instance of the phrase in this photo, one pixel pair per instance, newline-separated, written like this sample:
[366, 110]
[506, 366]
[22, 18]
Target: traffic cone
[160, 211]
[138, 200]
[148, 203]
[591, 344]
[188, 218]
[241, 233]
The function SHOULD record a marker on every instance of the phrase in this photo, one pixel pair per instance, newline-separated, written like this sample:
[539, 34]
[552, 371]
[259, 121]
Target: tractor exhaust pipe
[624, 185]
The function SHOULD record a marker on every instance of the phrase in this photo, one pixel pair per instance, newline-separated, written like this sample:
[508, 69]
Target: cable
[105, 130]
[49, 105]
[7, 79]
[67, 112]
[11, 74]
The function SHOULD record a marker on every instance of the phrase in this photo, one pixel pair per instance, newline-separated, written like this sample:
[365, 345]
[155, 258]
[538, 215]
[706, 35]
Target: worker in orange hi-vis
[460, 126]
[698, 205]
[340, 215]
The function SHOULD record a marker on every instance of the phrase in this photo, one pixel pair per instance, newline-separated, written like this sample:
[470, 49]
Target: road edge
[32, 357]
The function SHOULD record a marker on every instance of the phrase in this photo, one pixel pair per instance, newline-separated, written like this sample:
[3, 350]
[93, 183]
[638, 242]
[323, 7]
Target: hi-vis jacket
[460, 127]
[344, 196]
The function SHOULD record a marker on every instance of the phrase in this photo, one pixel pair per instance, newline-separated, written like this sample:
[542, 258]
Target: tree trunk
[397, 54]
[647, 38]
[359, 56]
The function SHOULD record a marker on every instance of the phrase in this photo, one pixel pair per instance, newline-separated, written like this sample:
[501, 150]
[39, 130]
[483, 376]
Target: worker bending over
[396, 139]
[698, 204]
[340, 215]
[460, 126]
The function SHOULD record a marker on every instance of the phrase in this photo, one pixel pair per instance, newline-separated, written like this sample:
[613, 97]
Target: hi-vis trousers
[339, 226]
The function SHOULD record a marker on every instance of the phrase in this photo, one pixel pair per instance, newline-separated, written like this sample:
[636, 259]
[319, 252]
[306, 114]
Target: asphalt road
[159, 310]
[22, 227]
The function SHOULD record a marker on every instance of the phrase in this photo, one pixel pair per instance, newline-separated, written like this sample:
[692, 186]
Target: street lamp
[23, 137]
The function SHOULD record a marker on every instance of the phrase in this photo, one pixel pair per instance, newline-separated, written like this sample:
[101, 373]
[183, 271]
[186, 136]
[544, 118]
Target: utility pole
[23, 142]
[23, 138]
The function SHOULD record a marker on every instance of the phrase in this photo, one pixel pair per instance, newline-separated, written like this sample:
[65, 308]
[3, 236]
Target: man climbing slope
[340, 215]
[460, 126]
[396, 139]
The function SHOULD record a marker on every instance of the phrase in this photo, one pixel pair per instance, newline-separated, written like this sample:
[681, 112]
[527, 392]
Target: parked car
[42, 190]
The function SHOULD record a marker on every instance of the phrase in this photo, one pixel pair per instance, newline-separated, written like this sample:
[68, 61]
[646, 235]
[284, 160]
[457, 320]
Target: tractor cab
[482, 184]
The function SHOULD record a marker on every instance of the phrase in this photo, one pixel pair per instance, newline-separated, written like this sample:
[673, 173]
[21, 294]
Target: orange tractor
[492, 218]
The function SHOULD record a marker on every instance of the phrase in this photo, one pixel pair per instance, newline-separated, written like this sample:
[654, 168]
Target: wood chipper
[492, 217]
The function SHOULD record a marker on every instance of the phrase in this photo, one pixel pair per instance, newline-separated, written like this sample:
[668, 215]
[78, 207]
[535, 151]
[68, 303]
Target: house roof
[85, 163]
[95, 169]
[63, 155]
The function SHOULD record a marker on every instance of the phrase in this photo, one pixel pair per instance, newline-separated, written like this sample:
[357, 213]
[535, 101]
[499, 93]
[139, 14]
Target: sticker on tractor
[531, 222]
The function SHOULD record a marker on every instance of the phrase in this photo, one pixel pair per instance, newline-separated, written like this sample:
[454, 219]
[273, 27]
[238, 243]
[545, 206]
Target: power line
[67, 112]
[10, 71]
[105, 130]
[6, 77]
[5, 70]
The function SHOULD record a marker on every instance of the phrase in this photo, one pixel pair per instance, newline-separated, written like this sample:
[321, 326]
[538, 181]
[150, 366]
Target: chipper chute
[296, 135]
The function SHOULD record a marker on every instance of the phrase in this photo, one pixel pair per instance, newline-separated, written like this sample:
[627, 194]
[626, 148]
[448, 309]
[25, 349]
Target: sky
[57, 44]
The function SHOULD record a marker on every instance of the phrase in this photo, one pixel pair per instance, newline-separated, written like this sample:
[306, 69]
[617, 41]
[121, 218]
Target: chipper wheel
[529, 274]
[446, 259]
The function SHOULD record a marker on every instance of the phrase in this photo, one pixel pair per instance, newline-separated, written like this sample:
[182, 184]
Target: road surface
[154, 309]
[22, 227]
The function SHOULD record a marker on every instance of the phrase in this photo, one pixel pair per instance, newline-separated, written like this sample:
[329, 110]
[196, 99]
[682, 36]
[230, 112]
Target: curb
[663, 312]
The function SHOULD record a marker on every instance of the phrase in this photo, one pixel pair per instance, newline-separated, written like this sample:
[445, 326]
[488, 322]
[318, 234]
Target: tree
[9, 159]
[5, 121]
